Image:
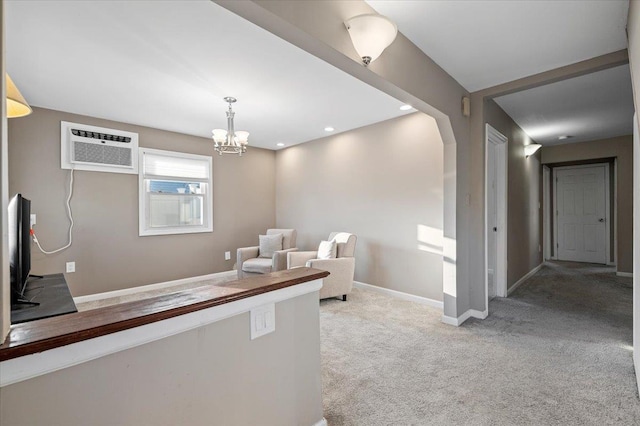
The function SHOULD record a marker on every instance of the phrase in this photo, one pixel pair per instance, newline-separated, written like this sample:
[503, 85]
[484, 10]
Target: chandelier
[229, 141]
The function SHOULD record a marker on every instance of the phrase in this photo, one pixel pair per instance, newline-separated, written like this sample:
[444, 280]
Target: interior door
[581, 214]
[492, 221]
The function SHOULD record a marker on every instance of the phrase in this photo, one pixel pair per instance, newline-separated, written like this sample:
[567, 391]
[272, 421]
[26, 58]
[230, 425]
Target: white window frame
[143, 198]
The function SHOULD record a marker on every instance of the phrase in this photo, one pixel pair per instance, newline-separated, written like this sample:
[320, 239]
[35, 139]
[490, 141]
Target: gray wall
[524, 186]
[313, 26]
[620, 148]
[108, 252]
[5, 304]
[382, 182]
[213, 375]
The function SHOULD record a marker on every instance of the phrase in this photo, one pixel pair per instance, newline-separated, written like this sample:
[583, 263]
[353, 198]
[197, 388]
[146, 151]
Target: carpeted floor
[558, 351]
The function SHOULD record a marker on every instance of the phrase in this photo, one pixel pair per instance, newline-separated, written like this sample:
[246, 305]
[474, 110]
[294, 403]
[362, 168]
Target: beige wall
[213, 375]
[620, 148]
[317, 26]
[108, 252]
[524, 217]
[384, 183]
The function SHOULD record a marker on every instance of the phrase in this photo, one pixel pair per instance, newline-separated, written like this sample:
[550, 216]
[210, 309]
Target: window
[175, 193]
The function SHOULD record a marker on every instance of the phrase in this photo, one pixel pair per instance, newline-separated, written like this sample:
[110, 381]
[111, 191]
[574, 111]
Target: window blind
[177, 167]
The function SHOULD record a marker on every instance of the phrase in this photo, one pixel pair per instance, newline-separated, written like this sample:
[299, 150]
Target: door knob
[601, 220]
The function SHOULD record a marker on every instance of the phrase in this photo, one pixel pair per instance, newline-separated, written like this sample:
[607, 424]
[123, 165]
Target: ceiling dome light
[531, 149]
[405, 107]
[329, 129]
[563, 137]
[371, 34]
[279, 144]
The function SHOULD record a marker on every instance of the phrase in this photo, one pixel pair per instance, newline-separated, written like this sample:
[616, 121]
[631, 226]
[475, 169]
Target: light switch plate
[227, 255]
[263, 320]
[71, 267]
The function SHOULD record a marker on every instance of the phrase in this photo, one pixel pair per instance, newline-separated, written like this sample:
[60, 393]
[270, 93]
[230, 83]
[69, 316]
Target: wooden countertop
[41, 335]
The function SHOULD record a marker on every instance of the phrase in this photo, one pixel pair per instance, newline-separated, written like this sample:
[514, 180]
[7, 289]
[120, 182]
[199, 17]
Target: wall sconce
[371, 34]
[17, 106]
[531, 149]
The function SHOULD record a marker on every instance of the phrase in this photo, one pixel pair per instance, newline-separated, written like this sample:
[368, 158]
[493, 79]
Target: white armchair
[340, 281]
[250, 263]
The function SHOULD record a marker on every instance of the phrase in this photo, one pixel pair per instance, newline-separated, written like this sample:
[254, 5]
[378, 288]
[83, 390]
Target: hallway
[558, 351]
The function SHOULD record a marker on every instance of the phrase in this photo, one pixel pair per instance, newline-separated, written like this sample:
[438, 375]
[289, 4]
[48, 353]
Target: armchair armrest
[245, 253]
[300, 258]
[279, 262]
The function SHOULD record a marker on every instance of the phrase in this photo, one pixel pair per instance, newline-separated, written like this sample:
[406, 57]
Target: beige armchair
[250, 263]
[340, 281]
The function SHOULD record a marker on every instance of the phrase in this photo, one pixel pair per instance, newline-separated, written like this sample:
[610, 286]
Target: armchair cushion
[257, 266]
[270, 244]
[327, 250]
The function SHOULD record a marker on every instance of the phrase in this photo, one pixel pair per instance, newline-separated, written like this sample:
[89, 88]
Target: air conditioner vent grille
[101, 154]
[101, 136]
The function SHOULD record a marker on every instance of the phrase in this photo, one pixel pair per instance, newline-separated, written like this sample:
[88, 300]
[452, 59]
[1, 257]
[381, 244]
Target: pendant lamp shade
[371, 34]
[17, 106]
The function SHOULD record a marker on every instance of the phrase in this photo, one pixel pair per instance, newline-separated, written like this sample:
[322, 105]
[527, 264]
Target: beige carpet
[558, 352]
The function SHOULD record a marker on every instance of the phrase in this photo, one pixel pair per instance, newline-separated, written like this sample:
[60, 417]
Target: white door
[581, 198]
[495, 213]
[492, 222]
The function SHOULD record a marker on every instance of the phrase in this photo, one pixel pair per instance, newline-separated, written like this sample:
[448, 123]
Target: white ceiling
[168, 64]
[593, 106]
[485, 43]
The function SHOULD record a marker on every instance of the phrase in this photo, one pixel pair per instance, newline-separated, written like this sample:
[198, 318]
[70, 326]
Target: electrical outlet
[227, 255]
[71, 267]
[33, 220]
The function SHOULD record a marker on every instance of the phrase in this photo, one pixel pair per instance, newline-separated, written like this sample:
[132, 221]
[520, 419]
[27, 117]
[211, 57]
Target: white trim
[546, 213]
[494, 137]
[462, 318]
[615, 213]
[625, 274]
[150, 287]
[607, 206]
[29, 366]
[524, 278]
[400, 295]
[322, 422]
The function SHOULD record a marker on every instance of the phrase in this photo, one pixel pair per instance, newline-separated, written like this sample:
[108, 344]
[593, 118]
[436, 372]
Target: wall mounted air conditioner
[98, 149]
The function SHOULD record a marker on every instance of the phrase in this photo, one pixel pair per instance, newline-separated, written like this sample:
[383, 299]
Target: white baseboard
[400, 295]
[322, 422]
[462, 318]
[625, 274]
[523, 279]
[149, 287]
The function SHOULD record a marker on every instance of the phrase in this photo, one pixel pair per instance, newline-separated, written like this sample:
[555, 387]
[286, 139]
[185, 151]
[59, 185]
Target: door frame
[500, 143]
[607, 206]
[546, 213]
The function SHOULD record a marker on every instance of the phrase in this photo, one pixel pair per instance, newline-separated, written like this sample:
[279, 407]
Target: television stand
[47, 296]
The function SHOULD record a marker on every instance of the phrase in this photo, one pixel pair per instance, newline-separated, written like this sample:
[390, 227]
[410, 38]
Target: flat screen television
[19, 222]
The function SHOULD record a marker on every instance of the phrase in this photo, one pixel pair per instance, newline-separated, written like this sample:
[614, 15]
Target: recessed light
[279, 144]
[563, 137]
[406, 107]
[329, 129]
